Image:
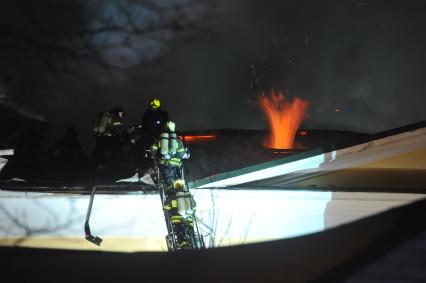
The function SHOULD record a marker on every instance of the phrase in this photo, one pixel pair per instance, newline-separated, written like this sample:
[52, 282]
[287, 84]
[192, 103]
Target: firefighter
[168, 150]
[153, 121]
[108, 131]
[180, 206]
[142, 136]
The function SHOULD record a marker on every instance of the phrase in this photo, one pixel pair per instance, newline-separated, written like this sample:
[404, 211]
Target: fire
[284, 118]
[197, 138]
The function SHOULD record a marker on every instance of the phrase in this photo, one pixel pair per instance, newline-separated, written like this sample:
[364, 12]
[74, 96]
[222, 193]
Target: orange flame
[284, 118]
[197, 138]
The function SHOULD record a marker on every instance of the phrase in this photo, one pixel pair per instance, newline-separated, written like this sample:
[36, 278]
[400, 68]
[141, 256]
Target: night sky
[70, 59]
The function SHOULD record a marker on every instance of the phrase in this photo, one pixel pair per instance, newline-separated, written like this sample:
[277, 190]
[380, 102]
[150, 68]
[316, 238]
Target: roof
[355, 154]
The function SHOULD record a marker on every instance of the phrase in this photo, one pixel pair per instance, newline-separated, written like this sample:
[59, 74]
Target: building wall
[135, 222]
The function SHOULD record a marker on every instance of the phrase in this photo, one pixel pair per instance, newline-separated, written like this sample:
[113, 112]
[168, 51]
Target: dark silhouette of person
[153, 120]
[71, 159]
[152, 124]
[109, 132]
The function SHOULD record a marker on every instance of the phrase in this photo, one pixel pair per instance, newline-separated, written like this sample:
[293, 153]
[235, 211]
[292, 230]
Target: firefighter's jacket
[110, 125]
[181, 207]
[153, 121]
[169, 150]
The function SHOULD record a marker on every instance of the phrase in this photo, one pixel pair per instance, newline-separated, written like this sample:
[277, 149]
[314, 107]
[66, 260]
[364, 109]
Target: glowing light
[198, 138]
[284, 118]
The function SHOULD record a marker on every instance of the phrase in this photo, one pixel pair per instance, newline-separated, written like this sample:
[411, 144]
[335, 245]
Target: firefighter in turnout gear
[142, 136]
[153, 121]
[179, 205]
[108, 130]
[169, 152]
[154, 118]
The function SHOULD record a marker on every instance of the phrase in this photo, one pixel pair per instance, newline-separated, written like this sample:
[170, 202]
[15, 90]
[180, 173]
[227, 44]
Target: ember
[197, 138]
[284, 118]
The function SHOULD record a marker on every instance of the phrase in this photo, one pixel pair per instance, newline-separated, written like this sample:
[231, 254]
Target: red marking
[303, 133]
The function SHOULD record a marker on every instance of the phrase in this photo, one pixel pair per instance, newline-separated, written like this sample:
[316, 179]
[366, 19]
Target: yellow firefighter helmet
[179, 184]
[155, 103]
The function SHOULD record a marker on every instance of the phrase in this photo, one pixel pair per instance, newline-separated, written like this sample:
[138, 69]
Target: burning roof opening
[284, 118]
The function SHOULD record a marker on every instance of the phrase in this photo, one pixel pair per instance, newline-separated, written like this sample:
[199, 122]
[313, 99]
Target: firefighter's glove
[171, 126]
[165, 156]
[186, 155]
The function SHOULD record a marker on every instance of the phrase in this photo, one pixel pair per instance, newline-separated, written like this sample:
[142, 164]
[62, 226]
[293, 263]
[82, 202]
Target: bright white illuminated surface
[305, 164]
[239, 216]
[225, 216]
[43, 214]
